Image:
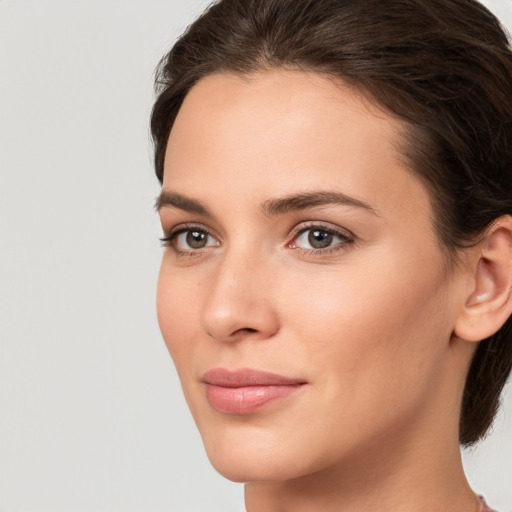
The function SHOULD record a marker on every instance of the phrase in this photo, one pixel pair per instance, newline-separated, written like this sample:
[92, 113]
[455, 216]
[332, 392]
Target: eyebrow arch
[271, 207]
[305, 200]
[168, 198]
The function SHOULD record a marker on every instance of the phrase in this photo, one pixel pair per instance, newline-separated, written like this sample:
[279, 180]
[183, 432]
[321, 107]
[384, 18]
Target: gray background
[92, 418]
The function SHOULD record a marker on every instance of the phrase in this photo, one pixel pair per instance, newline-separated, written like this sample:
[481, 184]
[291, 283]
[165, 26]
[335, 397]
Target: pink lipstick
[244, 391]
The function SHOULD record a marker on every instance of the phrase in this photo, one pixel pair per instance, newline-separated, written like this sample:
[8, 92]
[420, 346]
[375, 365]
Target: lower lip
[245, 400]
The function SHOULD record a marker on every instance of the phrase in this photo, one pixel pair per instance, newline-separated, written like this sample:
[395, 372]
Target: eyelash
[169, 239]
[347, 238]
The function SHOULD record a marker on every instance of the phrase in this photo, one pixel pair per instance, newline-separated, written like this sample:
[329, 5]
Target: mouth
[244, 391]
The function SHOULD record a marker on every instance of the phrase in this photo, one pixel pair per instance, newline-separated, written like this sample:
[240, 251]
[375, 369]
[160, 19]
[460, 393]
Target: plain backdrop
[92, 417]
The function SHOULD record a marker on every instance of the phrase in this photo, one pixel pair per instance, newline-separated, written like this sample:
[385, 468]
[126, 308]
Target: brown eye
[190, 240]
[319, 239]
[196, 239]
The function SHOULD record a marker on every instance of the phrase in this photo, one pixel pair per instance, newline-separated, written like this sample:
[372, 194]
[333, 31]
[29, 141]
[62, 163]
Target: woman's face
[302, 294]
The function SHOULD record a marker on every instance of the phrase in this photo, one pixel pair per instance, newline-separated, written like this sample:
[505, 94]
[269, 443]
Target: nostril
[247, 329]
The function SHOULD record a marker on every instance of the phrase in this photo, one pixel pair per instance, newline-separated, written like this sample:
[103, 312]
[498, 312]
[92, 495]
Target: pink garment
[485, 507]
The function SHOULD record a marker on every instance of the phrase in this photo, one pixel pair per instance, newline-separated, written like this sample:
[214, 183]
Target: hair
[444, 67]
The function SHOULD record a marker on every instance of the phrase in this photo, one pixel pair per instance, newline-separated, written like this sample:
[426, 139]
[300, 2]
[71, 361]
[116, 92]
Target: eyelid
[171, 235]
[327, 226]
[347, 237]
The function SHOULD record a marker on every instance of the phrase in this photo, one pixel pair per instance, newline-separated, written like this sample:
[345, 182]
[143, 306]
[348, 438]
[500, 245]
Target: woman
[336, 285]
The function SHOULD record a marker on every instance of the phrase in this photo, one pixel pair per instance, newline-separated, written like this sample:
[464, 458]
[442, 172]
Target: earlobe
[489, 302]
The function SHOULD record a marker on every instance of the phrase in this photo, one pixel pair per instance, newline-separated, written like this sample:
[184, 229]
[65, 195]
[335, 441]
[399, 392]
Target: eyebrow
[271, 207]
[168, 198]
[311, 199]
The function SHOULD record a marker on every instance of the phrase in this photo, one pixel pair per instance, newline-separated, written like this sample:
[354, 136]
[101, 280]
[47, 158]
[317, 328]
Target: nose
[238, 302]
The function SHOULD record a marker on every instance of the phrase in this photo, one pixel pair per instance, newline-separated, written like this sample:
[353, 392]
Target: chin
[251, 454]
[244, 468]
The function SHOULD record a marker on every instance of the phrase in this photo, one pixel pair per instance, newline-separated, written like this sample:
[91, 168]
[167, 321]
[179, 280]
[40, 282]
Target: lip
[246, 390]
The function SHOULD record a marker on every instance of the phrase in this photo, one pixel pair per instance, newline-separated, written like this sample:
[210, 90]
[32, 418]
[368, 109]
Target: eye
[320, 238]
[187, 240]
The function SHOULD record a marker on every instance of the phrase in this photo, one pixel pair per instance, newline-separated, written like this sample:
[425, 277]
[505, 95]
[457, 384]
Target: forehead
[279, 130]
[287, 101]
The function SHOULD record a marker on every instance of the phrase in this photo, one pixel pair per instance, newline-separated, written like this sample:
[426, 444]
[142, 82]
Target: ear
[488, 304]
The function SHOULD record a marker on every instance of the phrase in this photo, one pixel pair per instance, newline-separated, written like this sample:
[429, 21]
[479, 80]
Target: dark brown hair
[444, 67]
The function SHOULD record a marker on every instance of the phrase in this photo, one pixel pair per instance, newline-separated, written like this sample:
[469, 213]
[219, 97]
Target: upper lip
[245, 377]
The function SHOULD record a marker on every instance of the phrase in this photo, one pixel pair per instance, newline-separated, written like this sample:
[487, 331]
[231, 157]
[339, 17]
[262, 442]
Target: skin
[367, 322]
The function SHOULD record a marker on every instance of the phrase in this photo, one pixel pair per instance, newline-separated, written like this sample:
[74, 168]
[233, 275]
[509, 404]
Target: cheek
[175, 306]
[373, 330]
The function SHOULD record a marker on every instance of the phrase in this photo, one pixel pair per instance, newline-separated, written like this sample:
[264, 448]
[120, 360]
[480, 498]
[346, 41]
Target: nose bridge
[238, 301]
